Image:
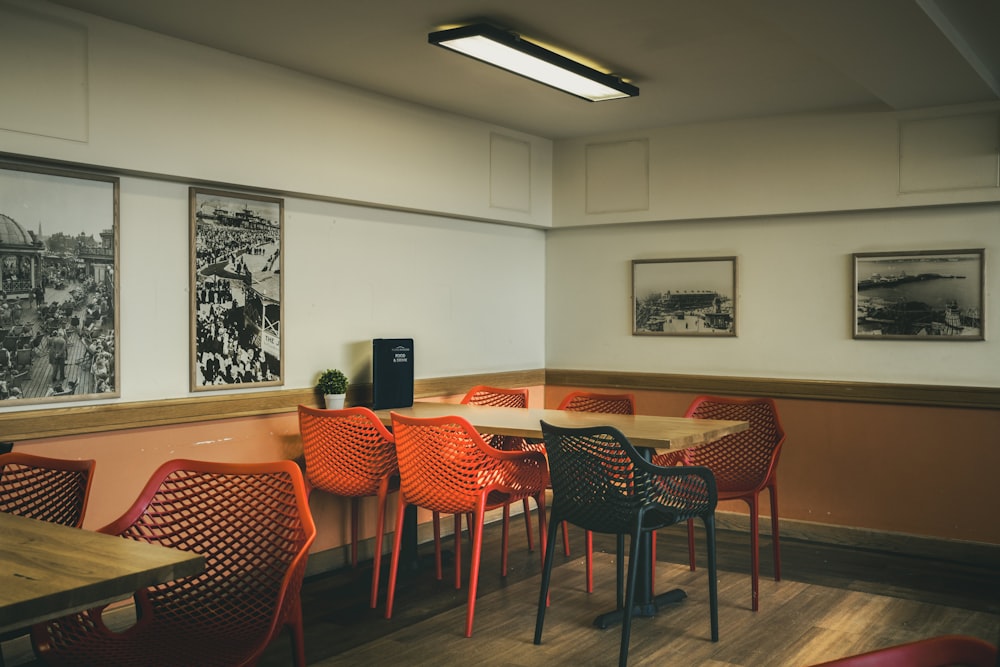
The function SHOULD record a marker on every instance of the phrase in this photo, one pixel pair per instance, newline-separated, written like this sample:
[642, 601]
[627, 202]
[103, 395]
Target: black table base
[648, 609]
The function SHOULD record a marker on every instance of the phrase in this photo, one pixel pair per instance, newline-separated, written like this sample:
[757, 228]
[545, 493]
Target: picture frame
[920, 295]
[684, 297]
[59, 285]
[237, 242]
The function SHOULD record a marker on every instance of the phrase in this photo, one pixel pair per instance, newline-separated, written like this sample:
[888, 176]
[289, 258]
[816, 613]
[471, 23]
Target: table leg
[646, 604]
[408, 557]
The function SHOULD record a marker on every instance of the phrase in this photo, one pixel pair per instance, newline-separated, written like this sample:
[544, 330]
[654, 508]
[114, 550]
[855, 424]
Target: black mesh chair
[600, 482]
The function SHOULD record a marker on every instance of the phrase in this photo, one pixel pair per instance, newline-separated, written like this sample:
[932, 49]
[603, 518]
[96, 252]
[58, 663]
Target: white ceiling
[694, 60]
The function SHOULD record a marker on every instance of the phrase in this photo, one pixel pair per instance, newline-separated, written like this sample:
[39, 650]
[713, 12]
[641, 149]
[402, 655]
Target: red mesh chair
[498, 397]
[252, 524]
[945, 651]
[744, 464]
[446, 466]
[47, 489]
[585, 401]
[350, 453]
[600, 482]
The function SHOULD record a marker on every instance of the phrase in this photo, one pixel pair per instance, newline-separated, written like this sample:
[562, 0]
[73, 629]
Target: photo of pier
[925, 295]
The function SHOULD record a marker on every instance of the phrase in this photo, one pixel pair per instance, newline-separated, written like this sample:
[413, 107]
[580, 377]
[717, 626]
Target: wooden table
[647, 432]
[48, 570]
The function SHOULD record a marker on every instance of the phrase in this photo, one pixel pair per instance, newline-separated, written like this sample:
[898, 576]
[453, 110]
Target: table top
[654, 432]
[48, 570]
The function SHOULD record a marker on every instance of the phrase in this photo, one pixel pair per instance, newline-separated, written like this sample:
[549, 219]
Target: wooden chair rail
[30, 424]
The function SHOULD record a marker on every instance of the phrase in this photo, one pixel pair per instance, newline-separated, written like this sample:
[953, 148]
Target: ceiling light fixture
[507, 50]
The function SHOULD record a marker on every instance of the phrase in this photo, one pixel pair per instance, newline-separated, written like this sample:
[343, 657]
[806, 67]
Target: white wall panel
[43, 76]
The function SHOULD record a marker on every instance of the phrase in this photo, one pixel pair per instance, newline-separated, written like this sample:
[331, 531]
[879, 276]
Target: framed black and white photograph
[920, 295]
[684, 297]
[236, 289]
[59, 285]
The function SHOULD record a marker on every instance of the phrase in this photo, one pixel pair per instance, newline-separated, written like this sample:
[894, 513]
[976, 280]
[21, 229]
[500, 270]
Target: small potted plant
[332, 384]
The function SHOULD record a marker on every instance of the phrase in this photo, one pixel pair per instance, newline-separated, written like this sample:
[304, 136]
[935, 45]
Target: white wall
[418, 259]
[350, 274]
[756, 188]
[795, 287]
[792, 198]
[161, 105]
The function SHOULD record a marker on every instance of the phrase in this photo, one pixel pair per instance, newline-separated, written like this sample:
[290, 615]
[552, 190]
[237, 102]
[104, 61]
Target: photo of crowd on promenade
[59, 285]
[236, 291]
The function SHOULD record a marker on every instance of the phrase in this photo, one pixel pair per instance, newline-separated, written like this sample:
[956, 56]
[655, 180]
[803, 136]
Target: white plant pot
[334, 401]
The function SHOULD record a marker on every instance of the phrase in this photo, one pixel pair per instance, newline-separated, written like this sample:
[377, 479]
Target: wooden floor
[832, 601]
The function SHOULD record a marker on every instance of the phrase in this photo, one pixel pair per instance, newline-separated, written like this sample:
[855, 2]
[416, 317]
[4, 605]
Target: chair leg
[297, 634]
[438, 572]
[754, 552]
[477, 551]
[505, 539]
[543, 594]
[589, 549]
[527, 525]
[542, 529]
[713, 575]
[355, 502]
[383, 494]
[397, 541]
[565, 531]
[652, 564]
[619, 566]
[691, 544]
[629, 590]
[458, 550]
[775, 543]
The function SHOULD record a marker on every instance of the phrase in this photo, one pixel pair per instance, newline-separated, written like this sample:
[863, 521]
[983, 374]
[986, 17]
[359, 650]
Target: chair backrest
[944, 651]
[347, 452]
[600, 481]
[48, 489]
[496, 397]
[585, 401]
[251, 522]
[746, 460]
[444, 464]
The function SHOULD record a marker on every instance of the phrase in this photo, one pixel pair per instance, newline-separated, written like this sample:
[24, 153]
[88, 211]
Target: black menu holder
[392, 373]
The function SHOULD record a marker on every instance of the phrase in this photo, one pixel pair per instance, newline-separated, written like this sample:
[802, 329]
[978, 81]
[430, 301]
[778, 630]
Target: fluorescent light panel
[508, 51]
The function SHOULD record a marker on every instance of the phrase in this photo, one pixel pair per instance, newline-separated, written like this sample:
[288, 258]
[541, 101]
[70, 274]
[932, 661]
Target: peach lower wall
[126, 459]
[906, 469]
[916, 470]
